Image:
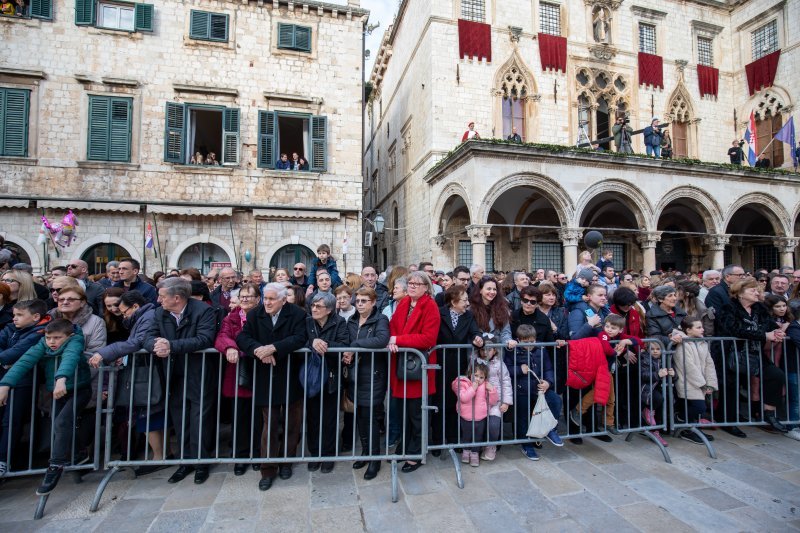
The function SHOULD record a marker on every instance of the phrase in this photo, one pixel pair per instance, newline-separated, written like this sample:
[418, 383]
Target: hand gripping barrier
[273, 420]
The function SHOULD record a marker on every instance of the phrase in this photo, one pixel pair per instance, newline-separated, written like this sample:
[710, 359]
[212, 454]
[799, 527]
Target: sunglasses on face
[529, 301]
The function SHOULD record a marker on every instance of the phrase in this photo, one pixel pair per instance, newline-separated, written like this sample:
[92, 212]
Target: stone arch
[771, 208]
[515, 79]
[31, 250]
[206, 238]
[515, 63]
[84, 246]
[453, 189]
[679, 105]
[680, 112]
[271, 250]
[711, 212]
[548, 187]
[634, 199]
[767, 102]
[796, 219]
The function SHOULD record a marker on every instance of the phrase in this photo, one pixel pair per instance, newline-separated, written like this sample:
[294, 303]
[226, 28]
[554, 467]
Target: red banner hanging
[553, 52]
[708, 79]
[474, 40]
[761, 72]
[651, 70]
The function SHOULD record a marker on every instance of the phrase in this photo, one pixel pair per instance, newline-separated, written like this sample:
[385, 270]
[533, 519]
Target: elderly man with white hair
[521, 280]
[711, 279]
[228, 283]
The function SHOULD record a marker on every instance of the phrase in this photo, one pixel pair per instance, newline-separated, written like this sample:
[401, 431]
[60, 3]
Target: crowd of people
[511, 333]
[13, 8]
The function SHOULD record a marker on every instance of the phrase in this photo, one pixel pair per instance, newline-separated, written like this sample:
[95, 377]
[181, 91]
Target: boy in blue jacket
[532, 372]
[324, 260]
[576, 288]
[67, 375]
[30, 318]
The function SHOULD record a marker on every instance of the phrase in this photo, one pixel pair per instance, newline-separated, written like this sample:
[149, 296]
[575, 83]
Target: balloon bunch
[61, 233]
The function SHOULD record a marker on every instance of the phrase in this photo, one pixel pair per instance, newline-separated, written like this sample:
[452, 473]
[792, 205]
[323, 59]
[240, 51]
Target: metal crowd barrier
[36, 405]
[746, 377]
[454, 360]
[191, 402]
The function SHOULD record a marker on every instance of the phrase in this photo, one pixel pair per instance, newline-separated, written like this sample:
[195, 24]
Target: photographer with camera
[736, 153]
[652, 139]
[622, 135]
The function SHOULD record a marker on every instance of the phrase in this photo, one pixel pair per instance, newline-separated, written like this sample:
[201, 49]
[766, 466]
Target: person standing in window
[283, 163]
[514, 137]
[470, 133]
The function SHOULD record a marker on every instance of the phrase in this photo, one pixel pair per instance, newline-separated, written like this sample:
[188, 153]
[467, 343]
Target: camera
[741, 143]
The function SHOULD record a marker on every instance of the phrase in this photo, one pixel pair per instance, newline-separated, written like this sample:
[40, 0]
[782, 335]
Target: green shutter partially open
[293, 37]
[230, 136]
[174, 132]
[42, 9]
[14, 105]
[198, 24]
[319, 143]
[218, 27]
[109, 135]
[143, 17]
[267, 124]
[302, 38]
[84, 12]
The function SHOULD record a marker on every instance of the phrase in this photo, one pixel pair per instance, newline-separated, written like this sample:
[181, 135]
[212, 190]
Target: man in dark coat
[181, 327]
[369, 280]
[272, 333]
[129, 280]
[221, 297]
[94, 291]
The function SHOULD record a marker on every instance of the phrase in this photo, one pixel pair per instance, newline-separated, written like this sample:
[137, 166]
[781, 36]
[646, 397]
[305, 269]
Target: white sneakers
[793, 434]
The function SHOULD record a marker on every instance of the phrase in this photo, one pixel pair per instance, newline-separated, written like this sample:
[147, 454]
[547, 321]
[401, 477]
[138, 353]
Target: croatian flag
[750, 137]
[148, 236]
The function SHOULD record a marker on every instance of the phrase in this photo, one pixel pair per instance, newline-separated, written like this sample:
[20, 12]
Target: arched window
[98, 255]
[395, 222]
[203, 257]
[288, 256]
[768, 122]
[514, 95]
[680, 114]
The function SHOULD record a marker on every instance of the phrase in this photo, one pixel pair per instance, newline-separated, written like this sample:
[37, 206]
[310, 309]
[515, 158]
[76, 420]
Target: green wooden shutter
[302, 38]
[285, 35]
[319, 143]
[99, 117]
[143, 17]
[14, 122]
[42, 9]
[218, 27]
[174, 132]
[84, 12]
[119, 148]
[198, 24]
[267, 125]
[230, 136]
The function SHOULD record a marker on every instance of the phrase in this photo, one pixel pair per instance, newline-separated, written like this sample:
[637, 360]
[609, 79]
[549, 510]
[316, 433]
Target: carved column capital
[440, 241]
[570, 236]
[649, 239]
[786, 245]
[478, 233]
[717, 242]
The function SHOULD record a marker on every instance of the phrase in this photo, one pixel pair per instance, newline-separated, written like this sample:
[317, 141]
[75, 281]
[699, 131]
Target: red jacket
[633, 320]
[587, 366]
[418, 331]
[226, 338]
[608, 348]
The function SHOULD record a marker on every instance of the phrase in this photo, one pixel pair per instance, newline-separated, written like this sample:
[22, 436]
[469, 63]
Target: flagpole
[144, 241]
[765, 148]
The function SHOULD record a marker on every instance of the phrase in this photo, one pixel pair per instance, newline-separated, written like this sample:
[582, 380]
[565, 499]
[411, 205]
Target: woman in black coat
[325, 329]
[529, 313]
[457, 326]
[368, 328]
[664, 318]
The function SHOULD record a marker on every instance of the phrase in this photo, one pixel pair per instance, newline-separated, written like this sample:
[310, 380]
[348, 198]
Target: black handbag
[244, 374]
[146, 391]
[409, 367]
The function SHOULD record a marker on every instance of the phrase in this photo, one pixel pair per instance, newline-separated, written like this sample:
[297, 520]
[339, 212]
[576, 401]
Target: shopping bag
[542, 420]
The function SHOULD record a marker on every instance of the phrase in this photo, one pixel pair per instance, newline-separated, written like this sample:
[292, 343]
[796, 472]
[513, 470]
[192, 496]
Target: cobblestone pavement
[753, 485]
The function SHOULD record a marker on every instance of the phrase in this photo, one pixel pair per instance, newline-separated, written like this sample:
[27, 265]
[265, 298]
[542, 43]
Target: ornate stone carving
[570, 236]
[680, 104]
[514, 33]
[478, 233]
[535, 97]
[610, 4]
[649, 239]
[515, 245]
[786, 245]
[601, 24]
[603, 52]
[769, 105]
[680, 65]
[717, 243]
[440, 241]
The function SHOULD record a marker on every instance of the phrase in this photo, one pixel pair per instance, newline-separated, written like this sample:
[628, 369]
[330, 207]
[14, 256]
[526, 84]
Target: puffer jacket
[500, 378]
[661, 324]
[372, 375]
[474, 404]
[335, 333]
[538, 362]
[139, 326]
[15, 342]
[694, 369]
[587, 367]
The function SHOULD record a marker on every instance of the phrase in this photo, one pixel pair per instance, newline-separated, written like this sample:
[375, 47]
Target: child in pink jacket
[475, 397]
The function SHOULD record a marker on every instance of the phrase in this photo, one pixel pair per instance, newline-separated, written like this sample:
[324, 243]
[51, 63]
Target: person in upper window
[652, 139]
[283, 163]
[763, 162]
[212, 159]
[303, 164]
[470, 133]
[7, 8]
[736, 153]
[295, 163]
[514, 137]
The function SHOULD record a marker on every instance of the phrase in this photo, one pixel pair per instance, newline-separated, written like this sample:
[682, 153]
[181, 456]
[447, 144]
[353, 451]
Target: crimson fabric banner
[708, 79]
[651, 70]
[553, 52]
[761, 72]
[474, 40]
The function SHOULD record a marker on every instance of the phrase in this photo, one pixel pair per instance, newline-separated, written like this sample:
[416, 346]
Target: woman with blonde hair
[21, 285]
[353, 281]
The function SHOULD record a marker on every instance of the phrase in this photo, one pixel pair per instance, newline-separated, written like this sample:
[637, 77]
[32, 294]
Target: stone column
[648, 241]
[478, 233]
[716, 244]
[786, 246]
[570, 237]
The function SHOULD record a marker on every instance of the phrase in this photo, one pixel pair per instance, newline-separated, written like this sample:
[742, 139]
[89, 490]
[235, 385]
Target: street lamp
[379, 223]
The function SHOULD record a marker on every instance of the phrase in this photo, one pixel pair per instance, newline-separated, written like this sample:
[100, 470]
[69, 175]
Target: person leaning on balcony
[617, 130]
[470, 133]
[652, 139]
[735, 152]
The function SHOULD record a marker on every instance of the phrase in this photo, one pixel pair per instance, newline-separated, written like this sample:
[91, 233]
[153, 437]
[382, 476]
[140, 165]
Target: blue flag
[786, 135]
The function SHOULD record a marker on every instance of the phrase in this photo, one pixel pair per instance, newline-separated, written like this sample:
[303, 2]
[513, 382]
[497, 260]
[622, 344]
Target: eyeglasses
[562, 278]
[299, 269]
[9, 280]
[529, 301]
[318, 306]
[246, 297]
[414, 284]
[72, 266]
[362, 301]
[68, 300]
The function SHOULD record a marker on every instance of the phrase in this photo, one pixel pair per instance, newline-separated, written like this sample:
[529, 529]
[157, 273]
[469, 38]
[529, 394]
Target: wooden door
[767, 129]
[680, 141]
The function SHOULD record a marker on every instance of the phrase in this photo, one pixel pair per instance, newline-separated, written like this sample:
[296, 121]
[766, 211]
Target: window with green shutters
[109, 135]
[14, 105]
[41, 9]
[294, 37]
[207, 26]
[192, 128]
[280, 132]
[125, 16]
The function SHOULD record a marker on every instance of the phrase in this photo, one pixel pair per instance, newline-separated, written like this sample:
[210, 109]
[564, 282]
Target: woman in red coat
[414, 324]
[235, 376]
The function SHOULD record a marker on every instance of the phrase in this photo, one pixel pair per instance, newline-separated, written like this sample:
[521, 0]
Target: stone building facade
[106, 104]
[527, 206]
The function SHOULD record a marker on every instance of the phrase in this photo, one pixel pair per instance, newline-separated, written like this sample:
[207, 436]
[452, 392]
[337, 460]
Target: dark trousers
[472, 431]
[65, 414]
[628, 394]
[368, 428]
[193, 422]
[772, 382]
[411, 441]
[244, 442]
[280, 433]
[324, 409]
[15, 414]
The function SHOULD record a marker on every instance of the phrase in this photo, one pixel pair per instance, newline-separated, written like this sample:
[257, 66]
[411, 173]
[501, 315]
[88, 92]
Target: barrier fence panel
[462, 422]
[308, 409]
[36, 425]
